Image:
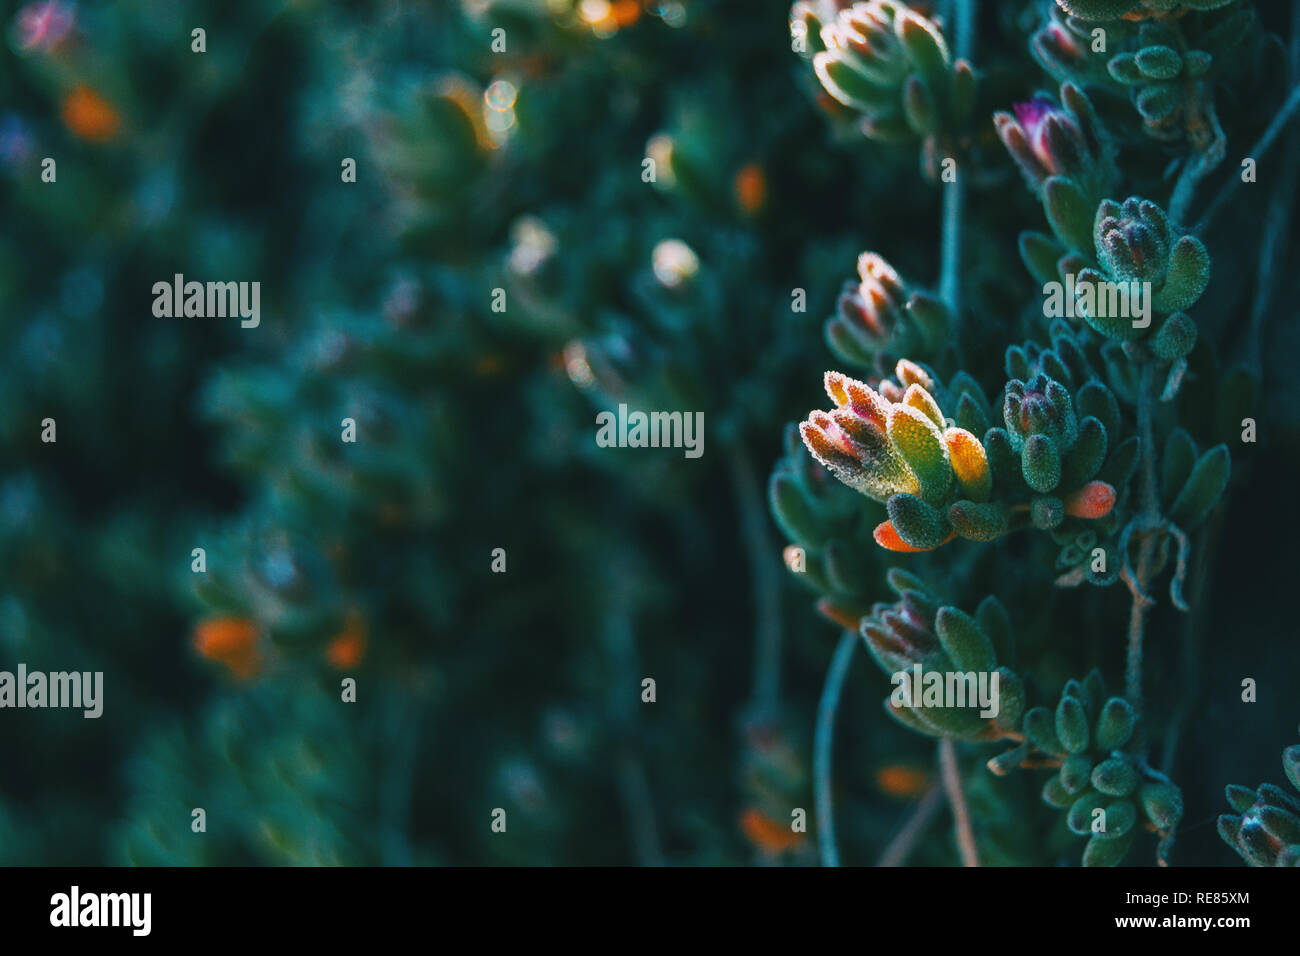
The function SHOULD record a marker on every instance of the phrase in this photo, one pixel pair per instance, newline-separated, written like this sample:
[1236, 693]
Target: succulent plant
[902, 453]
[938, 480]
[1156, 75]
[1135, 242]
[1265, 829]
[878, 319]
[1046, 139]
[918, 635]
[1066, 47]
[1135, 9]
[891, 66]
[829, 536]
[1106, 788]
[1105, 450]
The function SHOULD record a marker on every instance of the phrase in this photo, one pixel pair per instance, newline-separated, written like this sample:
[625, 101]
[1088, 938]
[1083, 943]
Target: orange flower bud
[838, 615]
[1093, 500]
[888, 539]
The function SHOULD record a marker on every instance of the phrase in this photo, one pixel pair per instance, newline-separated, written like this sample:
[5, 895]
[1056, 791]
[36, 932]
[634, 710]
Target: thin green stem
[1147, 436]
[1148, 528]
[950, 245]
[1189, 683]
[764, 579]
[629, 769]
[901, 846]
[1256, 152]
[1196, 168]
[638, 806]
[951, 775]
[1209, 145]
[399, 776]
[962, 14]
[1277, 222]
[1136, 632]
[823, 741]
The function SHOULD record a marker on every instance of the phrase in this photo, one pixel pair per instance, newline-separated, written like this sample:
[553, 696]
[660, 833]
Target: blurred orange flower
[899, 780]
[625, 12]
[751, 188]
[90, 116]
[767, 834]
[232, 641]
[348, 648]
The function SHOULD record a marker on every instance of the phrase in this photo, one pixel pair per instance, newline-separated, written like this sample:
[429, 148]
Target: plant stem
[962, 12]
[629, 769]
[1255, 152]
[1208, 144]
[1147, 522]
[961, 15]
[1136, 629]
[822, 747]
[1194, 170]
[637, 805]
[1147, 436]
[398, 777]
[1277, 222]
[963, 32]
[1189, 683]
[957, 800]
[950, 246]
[901, 846]
[764, 579]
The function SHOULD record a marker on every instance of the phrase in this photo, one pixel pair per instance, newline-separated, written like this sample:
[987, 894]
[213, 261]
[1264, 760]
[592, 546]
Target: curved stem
[822, 747]
[764, 579]
[1277, 223]
[1255, 152]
